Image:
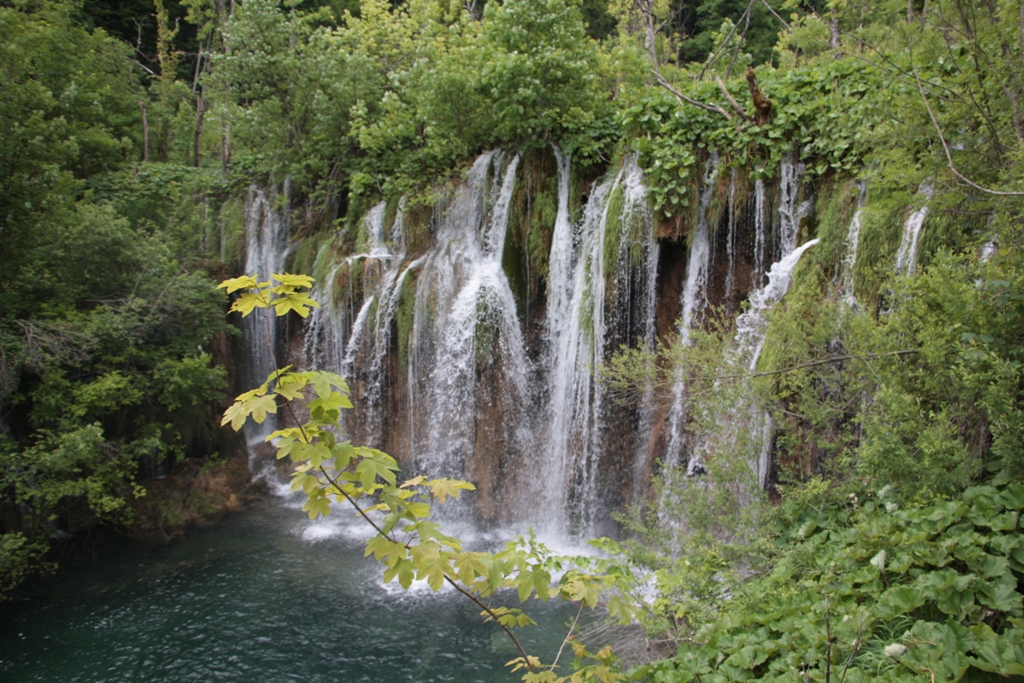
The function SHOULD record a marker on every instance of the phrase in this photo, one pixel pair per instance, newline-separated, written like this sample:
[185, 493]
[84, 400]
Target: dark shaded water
[262, 596]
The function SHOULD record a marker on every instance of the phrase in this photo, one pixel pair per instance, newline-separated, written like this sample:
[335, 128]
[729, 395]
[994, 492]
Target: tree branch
[714, 108]
[732, 101]
[949, 155]
[776, 14]
[568, 635]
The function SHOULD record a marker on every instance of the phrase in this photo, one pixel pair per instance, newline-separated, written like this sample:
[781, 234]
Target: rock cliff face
[472, 333]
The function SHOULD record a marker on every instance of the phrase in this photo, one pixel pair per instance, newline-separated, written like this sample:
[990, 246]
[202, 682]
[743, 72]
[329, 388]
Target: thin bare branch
[626, 394]
[743, 36]
[480, 603]
[949, 155]
[568, 635]
[775, 14]
[714, 57]
[714, 108]
[732, 101]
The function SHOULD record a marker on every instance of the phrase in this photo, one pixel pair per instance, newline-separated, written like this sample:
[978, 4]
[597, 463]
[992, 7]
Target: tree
[538, 70]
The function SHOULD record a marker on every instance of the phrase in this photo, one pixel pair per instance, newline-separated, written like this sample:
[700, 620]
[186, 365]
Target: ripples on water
[263, 596]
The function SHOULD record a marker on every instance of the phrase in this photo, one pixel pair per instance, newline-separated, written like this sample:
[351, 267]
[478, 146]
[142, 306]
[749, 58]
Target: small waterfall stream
[846, 280]
[266, 249]
[906, 257]
[610, 294]
[692, 303]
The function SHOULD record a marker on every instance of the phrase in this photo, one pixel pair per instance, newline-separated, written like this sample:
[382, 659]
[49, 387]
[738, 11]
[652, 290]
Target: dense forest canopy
[132, 130]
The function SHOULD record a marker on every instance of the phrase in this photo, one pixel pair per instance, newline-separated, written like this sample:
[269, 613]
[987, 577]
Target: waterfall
[748, 427]
[266, 245]
[752, 324]
[561, 258]
[906, 257]
[692, 302]
[760, 231]
[266, 250]
[751, 330]
[356, 344]
[600, 300]
[574, 404]
[730, 240]
[324, 341]
[536, 432]
[465, 325]
[852, 241]
[700, 254]
[791, 173]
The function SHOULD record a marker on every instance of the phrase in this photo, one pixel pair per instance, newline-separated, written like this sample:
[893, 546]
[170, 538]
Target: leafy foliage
[900, 594]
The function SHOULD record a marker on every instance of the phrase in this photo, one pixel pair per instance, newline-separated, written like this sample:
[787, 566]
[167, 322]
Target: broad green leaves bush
[915, 593]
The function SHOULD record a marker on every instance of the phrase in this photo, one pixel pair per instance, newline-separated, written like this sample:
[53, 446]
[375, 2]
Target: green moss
[880, 235]
[416, 227]
[514, 263]
[532, 214]
[837, 203]
[307, 252]
[485, 336]
[612, 234]
[951, 226]
[232, 234]
[390, 213]
[405, 316]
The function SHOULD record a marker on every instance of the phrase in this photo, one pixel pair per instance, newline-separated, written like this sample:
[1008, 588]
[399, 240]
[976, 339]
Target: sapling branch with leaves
[407, 541]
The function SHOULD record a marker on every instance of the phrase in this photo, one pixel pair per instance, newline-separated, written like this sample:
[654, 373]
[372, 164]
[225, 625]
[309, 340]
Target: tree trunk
[225, 147]
[200, 113]
[145, 131]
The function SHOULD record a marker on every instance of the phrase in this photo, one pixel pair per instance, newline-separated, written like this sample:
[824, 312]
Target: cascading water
[682, 447]
[791, 174]
[561, 261]
[700, 255]
[751, 329]
[266, 248]
[540, 438]
[692, 302]
[749, 427]
[752, 324]
[760, 231]
[730, 240]
[846, 281]
[266, 245]
[599, 305]
[574, 402]
[466, 327]
[906, 257]
[337, 334]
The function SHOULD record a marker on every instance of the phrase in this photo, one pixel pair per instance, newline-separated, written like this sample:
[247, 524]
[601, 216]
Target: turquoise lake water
[262, 596]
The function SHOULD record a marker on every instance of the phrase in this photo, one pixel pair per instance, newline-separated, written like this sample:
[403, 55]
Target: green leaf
[236, 415]
[541, 583]
[300, 303]
[317, 505]
[247, 303]
[261, 406]
[234, 284]
[291, 280]
[524, 584]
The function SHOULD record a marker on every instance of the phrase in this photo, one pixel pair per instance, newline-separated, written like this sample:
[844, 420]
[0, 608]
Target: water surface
[262, 596]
